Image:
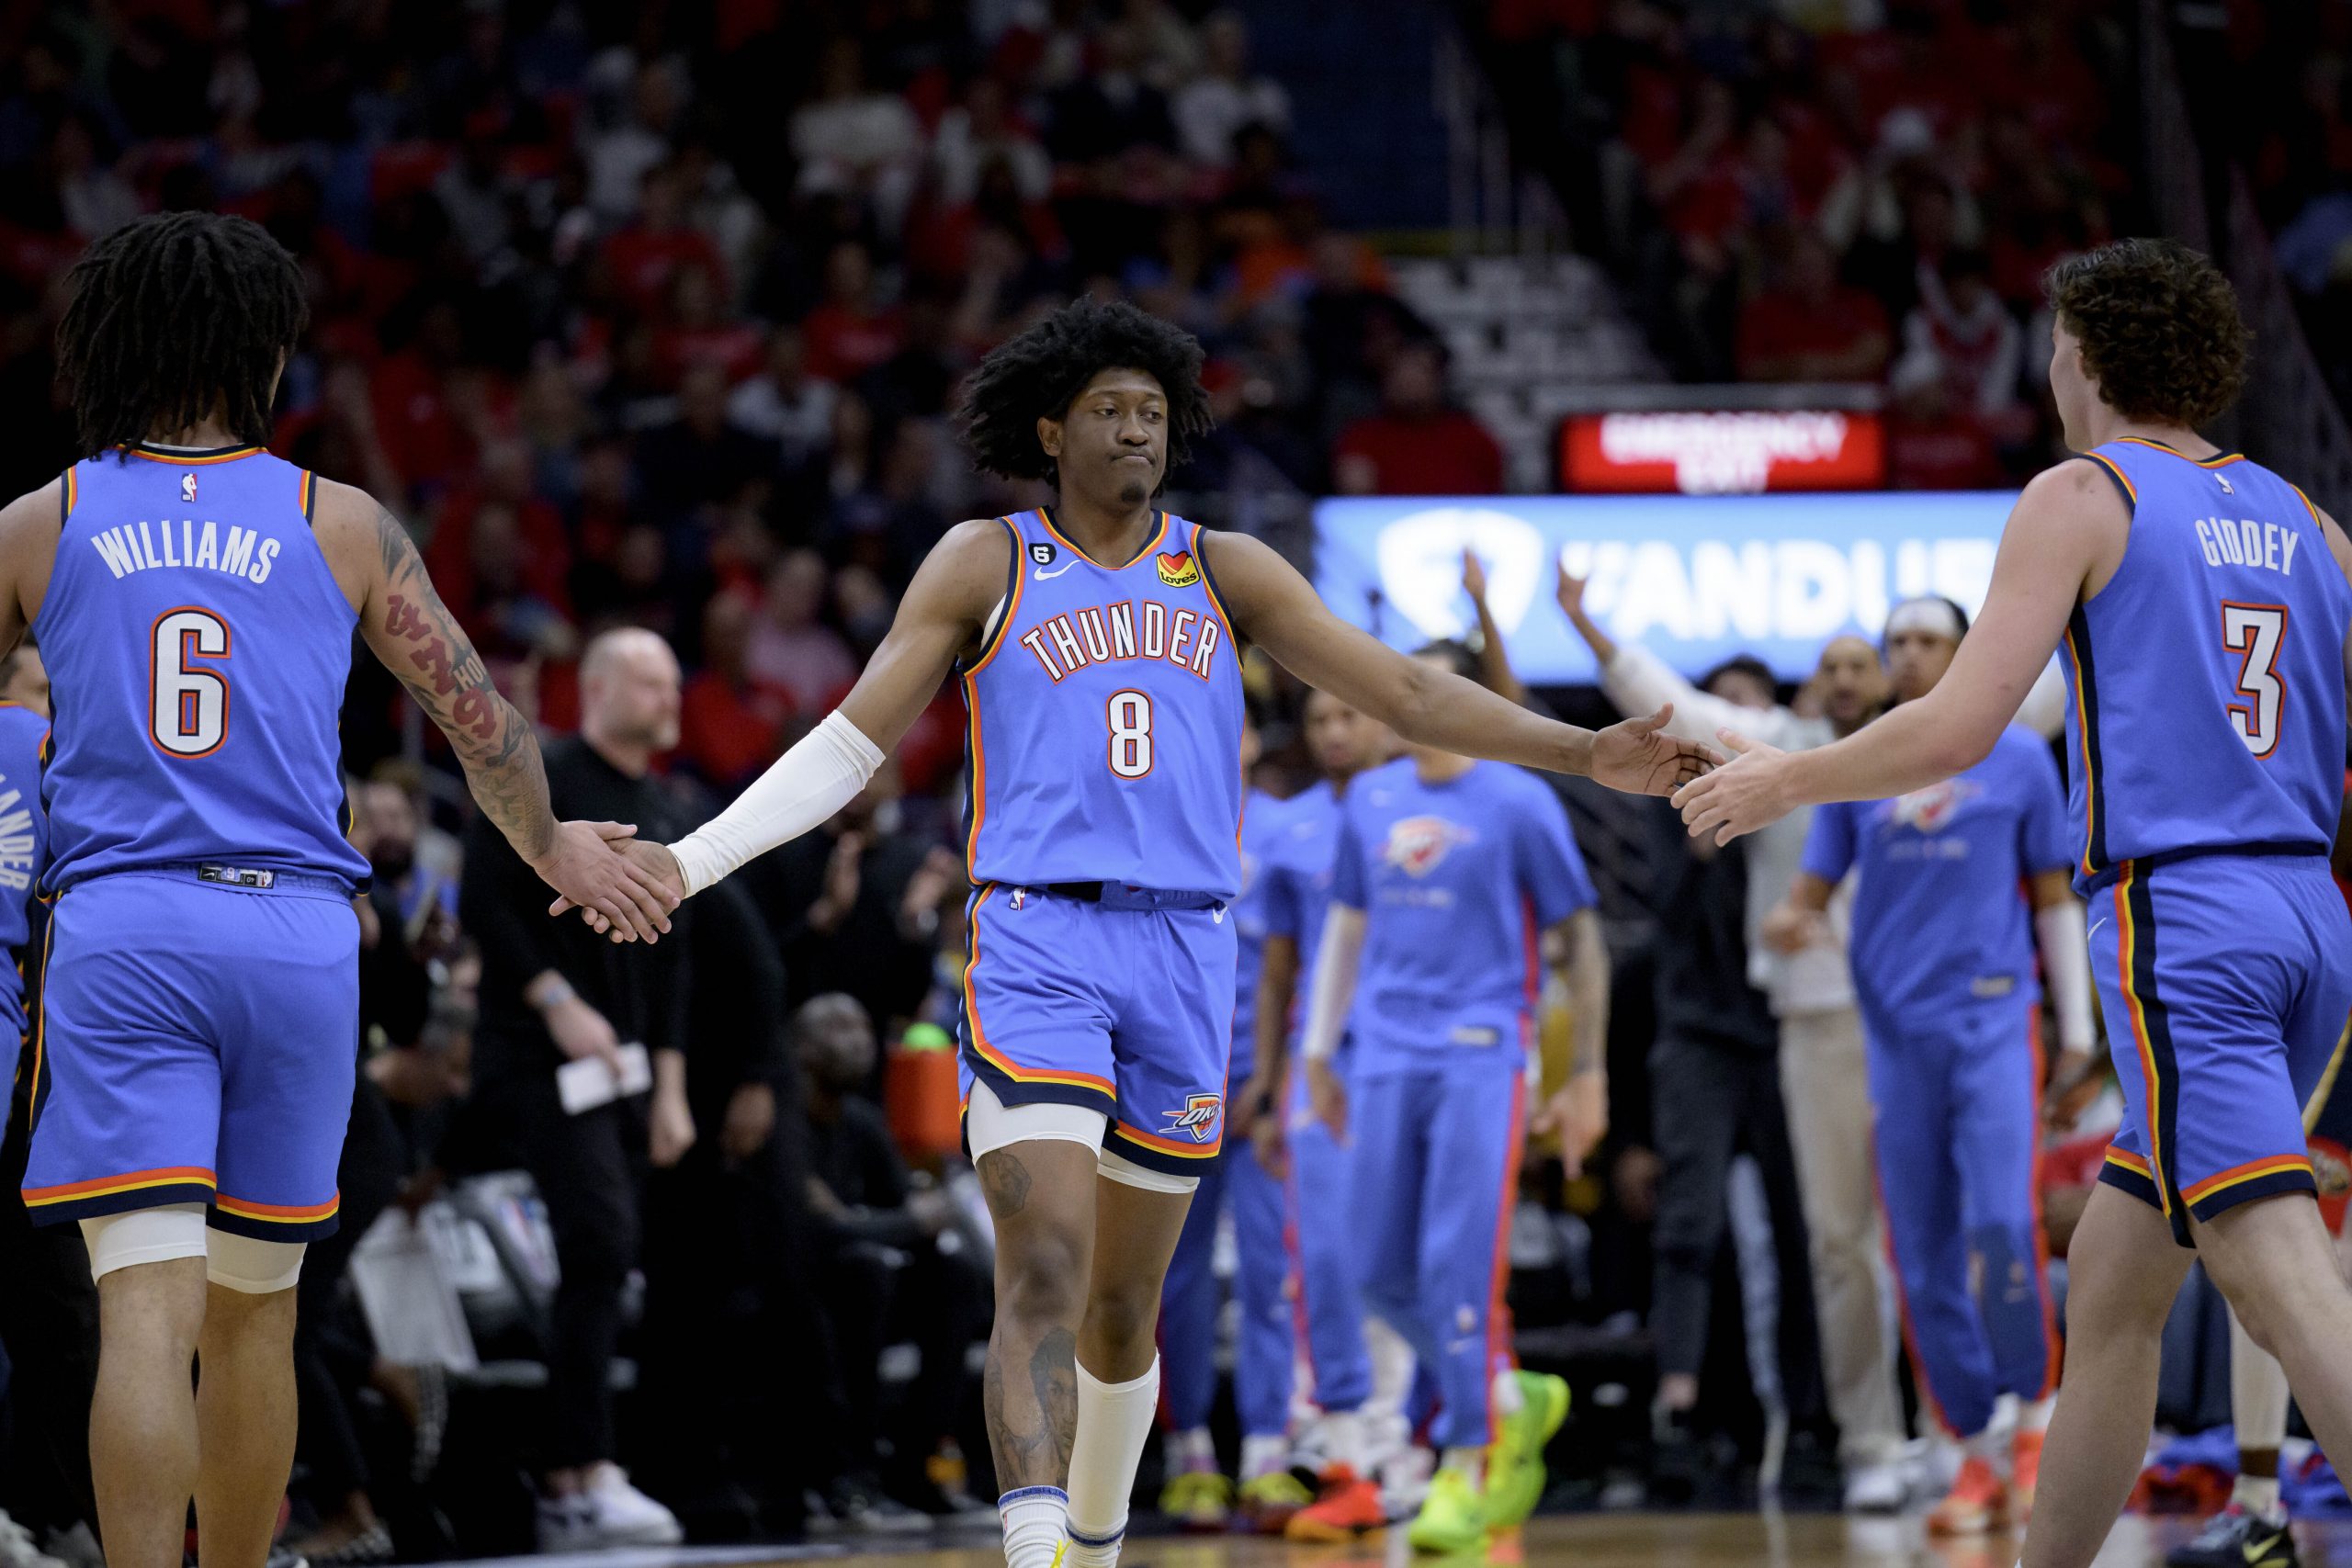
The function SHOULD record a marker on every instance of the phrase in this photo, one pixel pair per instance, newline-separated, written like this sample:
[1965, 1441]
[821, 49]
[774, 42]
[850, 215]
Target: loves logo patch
[1178, 570]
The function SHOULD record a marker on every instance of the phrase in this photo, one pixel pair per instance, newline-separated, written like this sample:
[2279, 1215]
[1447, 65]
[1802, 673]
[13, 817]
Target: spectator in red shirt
[729, 727]
[1812, 327]
[416, 418]
[1416, 444]
[700, 331]
[644, 256]
[851, 331]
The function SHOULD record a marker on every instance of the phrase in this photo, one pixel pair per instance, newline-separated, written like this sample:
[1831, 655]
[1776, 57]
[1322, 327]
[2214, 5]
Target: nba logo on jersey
[187, 489]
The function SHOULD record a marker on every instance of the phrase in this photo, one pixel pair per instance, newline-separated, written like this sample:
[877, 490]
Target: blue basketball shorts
[2225, 981]
[196, 1043]
[1124, 1006]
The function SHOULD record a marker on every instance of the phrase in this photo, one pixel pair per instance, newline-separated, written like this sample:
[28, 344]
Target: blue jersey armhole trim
[990, 644]
[2123, 485]
[65, 498]
[1216, 594]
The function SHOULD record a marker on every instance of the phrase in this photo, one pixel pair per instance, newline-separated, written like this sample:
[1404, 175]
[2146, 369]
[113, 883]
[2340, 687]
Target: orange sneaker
[1978, 1502]
[1345, 1506]
[2024, 1471]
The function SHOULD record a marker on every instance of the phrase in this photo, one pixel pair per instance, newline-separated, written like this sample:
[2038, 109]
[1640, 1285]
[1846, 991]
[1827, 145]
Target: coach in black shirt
[553, 991]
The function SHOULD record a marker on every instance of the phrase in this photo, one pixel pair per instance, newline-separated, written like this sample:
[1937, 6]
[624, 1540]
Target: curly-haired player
[2203, 606]
[195, 600]
[1100, 643]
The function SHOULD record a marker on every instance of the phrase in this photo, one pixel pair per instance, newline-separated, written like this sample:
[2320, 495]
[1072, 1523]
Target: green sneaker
[1515, 1483]
[1452, 1519]
[1198, 1500]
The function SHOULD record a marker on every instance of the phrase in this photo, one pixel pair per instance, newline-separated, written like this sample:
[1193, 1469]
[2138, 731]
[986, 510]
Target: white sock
[1192, 1452]
[1035, 1519]
[1992, 1445]
[1471, 1463]
[2257, 1495]
[1114, 1422]
[1508, 1399]
[1262, 1454]
[1343, 1438]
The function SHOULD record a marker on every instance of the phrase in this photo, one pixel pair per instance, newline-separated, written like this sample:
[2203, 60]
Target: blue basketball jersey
[1941, 918]
[24, 840]
[2206, 709]
[1299, 858]
[1261, 821]
[1457, 879]
[197, 647]
[1105, 720]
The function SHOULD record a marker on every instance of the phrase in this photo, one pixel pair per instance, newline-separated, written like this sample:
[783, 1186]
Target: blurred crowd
[1842, 192]
[652, 316]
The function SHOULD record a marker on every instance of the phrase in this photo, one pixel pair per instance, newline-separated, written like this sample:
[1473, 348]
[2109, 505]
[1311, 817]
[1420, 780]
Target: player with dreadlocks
[194, 597]
[1099, 641]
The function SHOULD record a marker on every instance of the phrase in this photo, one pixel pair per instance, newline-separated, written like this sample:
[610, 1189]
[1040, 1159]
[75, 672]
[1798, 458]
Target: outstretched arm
[944, 611]
[2068, 520]
[1274, 607]
[1494, 660]
[408, 627]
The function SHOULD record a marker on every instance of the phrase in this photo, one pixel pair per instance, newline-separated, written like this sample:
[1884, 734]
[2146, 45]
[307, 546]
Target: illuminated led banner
[1696, 579]
[1721, 452]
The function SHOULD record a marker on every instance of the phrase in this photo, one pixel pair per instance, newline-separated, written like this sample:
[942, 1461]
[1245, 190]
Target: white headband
[1936, 617]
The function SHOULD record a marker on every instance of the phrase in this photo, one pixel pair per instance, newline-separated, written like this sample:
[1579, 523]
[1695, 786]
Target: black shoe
[2238, 1538]
[1677, 1458]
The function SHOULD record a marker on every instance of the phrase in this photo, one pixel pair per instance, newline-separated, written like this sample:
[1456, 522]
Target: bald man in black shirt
[553, 991]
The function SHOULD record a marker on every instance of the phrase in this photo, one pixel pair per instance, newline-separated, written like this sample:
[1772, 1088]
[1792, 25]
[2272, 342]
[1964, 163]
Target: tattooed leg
[1041, 1194]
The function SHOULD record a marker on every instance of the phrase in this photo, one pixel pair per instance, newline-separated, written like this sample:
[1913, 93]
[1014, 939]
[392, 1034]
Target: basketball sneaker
[2237, 1537]
[1515, 1474]
[1270, 1502]
[1346, 1504]
[1198, 1500]
[2025, 1469]
[1978, 1502]
[1454, 1517]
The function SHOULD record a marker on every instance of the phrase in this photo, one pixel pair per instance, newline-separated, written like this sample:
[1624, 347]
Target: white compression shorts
[177, 1229]
[990, 1124]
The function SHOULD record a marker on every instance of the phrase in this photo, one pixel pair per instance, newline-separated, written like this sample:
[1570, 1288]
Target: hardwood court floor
[1562, 1541]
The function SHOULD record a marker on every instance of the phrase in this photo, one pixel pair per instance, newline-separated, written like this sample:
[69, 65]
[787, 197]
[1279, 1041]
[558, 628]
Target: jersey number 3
[2253, 632]
[187, 701]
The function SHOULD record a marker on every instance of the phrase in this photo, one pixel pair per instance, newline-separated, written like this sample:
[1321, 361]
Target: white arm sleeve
[1335, 983]
[2066, 964]
[801, 789]
[1638, 682]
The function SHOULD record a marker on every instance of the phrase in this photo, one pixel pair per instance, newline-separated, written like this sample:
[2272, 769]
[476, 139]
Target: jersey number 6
[188, 703]
[1130, 716]
[2253, 632]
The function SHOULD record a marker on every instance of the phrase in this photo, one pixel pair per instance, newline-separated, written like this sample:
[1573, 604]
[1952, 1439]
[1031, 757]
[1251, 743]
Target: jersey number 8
[1130, 715]
[188, 703]
[2253, 632]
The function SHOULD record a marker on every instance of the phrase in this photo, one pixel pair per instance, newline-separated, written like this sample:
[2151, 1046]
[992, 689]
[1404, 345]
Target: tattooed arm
[410, 629]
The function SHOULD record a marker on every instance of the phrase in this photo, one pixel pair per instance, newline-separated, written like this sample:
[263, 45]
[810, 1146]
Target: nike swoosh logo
[1042, 575]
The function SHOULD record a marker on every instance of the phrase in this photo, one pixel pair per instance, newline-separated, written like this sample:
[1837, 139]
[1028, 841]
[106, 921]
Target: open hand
[651, 865]
[1739, 797]
[1473, 577]
[1569, 591]
[1637, 756]
[590, 866]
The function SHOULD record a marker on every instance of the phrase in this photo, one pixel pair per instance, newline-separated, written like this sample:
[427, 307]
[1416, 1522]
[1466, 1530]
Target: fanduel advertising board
[1695, 578]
